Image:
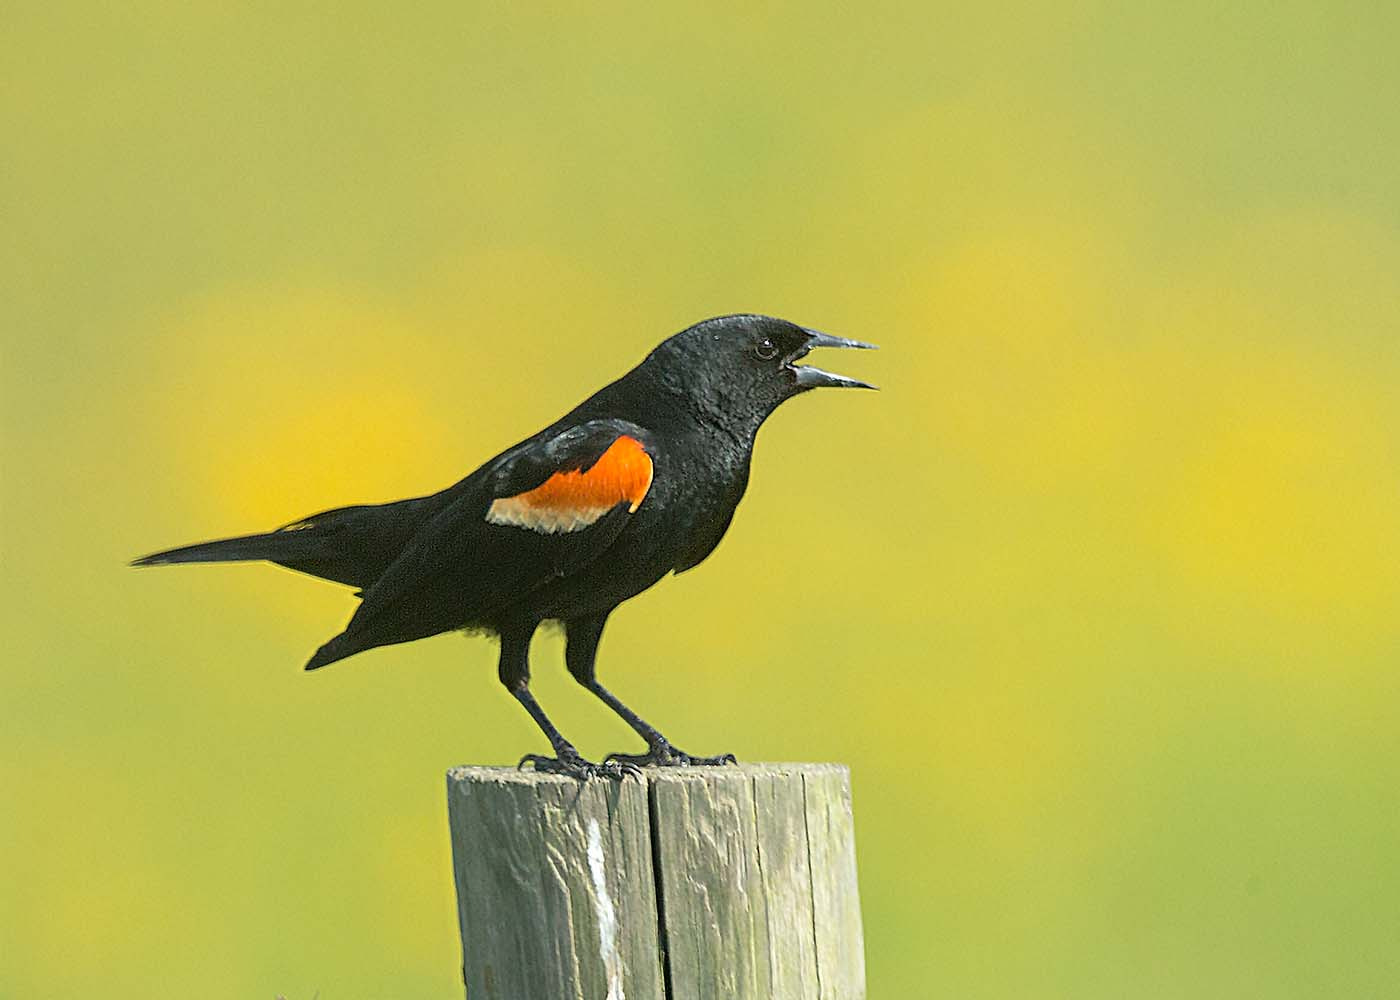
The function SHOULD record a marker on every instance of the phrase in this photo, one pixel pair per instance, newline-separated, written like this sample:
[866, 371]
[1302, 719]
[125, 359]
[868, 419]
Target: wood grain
[686, 884]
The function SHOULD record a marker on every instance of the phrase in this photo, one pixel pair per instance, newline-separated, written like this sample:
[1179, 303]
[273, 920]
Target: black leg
[515, 675]
[581, 655]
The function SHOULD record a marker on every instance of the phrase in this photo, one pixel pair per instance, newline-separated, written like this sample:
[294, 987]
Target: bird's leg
[515, 675]
[581, 655]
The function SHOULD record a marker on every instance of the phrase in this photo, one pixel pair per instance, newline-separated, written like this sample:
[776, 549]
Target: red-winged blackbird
[639, 480]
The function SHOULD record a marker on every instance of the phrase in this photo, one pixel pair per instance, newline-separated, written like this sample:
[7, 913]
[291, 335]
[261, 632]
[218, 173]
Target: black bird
[639, 480]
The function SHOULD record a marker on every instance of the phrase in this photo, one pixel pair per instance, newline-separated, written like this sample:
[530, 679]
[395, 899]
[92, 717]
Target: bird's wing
[538, 512]
[568, 482]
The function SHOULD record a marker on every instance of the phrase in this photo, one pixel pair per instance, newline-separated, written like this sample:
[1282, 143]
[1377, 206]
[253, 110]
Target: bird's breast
[707, 489]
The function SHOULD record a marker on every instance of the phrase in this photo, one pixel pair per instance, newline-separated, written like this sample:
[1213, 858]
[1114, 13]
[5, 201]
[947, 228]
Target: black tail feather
[336, 649]
[273, 545]
[350, 545]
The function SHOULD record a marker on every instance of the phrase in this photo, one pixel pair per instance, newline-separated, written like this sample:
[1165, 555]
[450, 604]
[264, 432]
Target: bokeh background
[1098, 598]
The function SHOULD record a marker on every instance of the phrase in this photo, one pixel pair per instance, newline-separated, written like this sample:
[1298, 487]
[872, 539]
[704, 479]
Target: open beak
[814, 378]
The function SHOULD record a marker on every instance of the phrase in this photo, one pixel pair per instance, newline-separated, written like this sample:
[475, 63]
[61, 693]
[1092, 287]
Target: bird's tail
[245, 548]
[337, 649]
[350, 545]
[272, 545]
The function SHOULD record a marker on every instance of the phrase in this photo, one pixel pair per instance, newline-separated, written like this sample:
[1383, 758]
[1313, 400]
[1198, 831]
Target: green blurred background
[1098, 598]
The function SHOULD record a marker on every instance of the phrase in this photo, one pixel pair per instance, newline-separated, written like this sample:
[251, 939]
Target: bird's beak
[814, 378]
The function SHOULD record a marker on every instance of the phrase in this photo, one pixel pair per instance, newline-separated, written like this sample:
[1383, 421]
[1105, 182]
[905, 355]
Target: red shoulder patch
[574, 499]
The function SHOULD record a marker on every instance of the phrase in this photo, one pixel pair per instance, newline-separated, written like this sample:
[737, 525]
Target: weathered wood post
[729, 883]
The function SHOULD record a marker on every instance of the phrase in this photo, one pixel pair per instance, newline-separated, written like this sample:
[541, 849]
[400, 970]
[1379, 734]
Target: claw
[574, 766]
[665, 755]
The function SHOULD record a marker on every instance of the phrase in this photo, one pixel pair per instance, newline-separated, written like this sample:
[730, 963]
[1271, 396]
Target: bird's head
[742, 367]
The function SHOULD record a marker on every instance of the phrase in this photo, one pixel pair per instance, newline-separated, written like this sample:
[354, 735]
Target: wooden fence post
[729, 883]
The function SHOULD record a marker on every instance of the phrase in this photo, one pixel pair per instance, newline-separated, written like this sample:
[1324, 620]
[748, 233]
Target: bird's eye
[766, 350]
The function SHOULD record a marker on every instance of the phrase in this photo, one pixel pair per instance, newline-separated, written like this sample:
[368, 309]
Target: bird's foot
[572, 765]
[662, 754]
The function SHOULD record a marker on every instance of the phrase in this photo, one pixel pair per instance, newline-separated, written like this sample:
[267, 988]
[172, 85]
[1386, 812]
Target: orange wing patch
[572, 500]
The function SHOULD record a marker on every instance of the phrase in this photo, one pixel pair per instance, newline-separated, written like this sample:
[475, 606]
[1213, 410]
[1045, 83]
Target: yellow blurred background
[1098, 598]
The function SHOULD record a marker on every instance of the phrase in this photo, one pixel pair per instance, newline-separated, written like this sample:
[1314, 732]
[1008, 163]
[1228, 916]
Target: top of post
[506, 775]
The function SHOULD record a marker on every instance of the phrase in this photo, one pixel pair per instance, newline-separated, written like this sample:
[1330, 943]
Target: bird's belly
[649, 548]
[624, 571]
